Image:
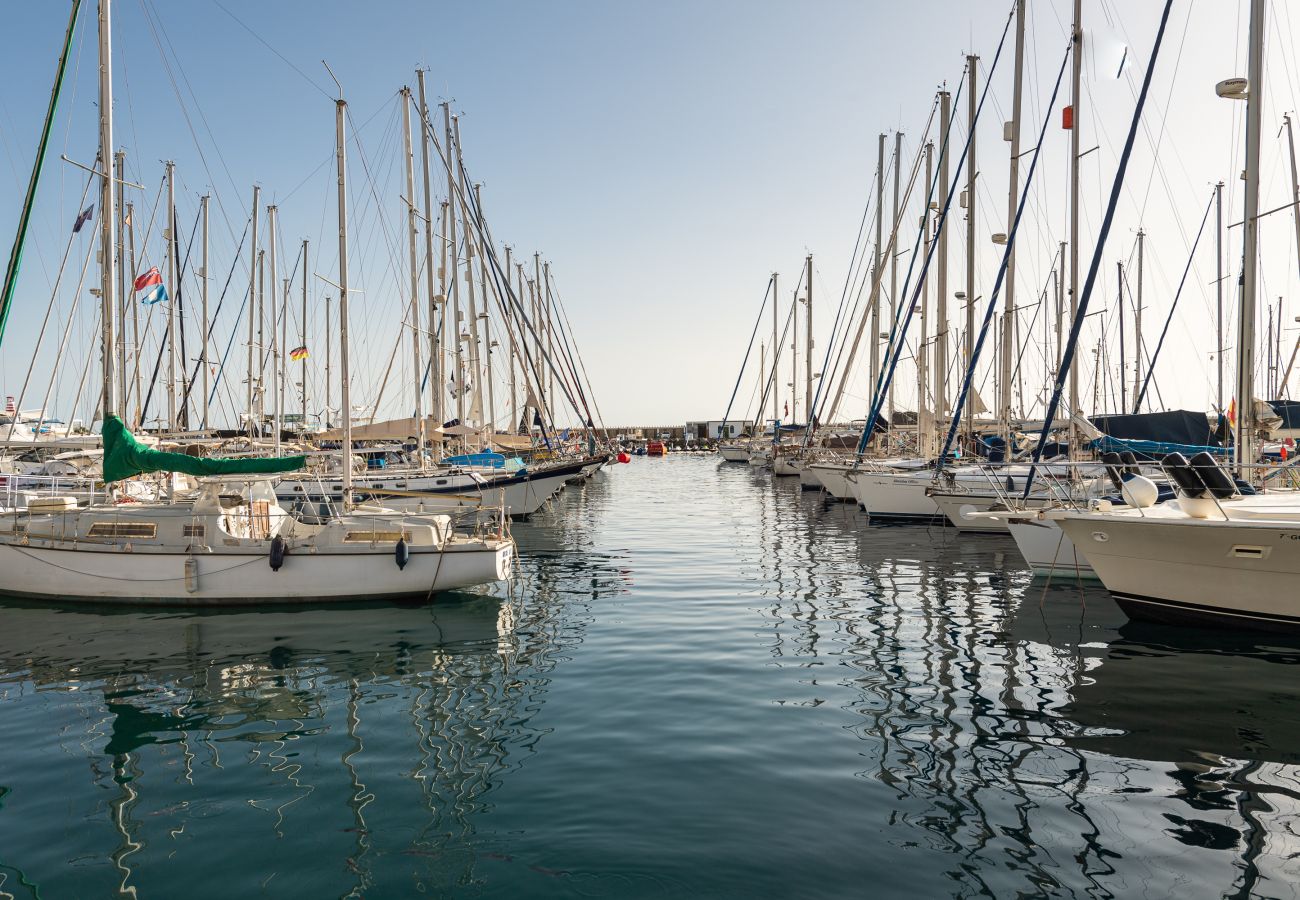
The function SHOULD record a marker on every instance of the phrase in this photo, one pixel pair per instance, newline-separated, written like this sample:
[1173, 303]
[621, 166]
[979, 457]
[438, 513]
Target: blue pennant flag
[157, 294]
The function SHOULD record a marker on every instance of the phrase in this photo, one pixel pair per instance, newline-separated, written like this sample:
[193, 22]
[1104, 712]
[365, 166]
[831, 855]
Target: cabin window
[123, 529]
[298, 488]
[400, 484]
[377, 486]
[194, 531]
[375, 537]
[442, 481]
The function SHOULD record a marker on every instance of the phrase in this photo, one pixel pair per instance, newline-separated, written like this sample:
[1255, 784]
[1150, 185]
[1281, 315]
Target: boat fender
[1139, 492]
[402, 553]
[1112, 462]
[1245, 488]
[1011, 485]
[1130, 462]
[277, 553]
[1188, 482]
[1216, 480]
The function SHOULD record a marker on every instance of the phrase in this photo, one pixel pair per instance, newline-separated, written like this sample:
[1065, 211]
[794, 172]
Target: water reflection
[352, 751]
[1029, 734]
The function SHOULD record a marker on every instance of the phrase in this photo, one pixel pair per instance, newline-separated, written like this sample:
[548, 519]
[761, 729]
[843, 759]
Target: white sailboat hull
[734, 454]
[110, 575]
[896, 497]
[832, 478]
[1048, 550]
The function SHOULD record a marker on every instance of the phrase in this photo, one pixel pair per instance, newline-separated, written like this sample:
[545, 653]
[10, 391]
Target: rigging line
[24, 218]
[284, 59]
[1076, 326]
[54, 295]
[1137, 405]
[744, 362]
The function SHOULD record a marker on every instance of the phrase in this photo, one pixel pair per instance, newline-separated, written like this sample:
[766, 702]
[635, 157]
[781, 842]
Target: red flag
[153, 276]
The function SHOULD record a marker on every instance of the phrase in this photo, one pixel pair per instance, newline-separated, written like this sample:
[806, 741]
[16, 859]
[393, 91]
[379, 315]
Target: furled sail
[125, 457]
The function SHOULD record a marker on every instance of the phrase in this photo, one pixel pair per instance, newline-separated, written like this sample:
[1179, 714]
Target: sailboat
[230, 542]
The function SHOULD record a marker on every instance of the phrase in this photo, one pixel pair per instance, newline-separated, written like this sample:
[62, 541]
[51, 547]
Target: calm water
[701, 685]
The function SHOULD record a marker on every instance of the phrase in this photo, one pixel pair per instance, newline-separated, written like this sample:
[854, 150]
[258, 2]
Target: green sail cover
[125, 457]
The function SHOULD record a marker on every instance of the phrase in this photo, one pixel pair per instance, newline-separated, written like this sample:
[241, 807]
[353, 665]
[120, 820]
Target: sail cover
[125, 457]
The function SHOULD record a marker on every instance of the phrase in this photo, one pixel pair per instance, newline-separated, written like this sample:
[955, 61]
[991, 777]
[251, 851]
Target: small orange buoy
[624, 458]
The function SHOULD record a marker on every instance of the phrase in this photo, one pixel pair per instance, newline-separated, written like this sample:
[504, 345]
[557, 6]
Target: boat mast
[941, 276]
[808, 343]
[922, 357]
[329, 361]
[1076, 97]
[893, 259]
[1137, 329]
[345, 397]
[875, 272]
[490, 423]
[119, 167]
[171, 295]
[776, 384]
[252, 306]
[972, 63]
[107, 210]
[272, 215]
[435, 362]
[1250, 249]
[412, 228]
[458, 377]
[302, 334]
[1013, 197]
[135, 319]
[1218, 284]
[203, 337]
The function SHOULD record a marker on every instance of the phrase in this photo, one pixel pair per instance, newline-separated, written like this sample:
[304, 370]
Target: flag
[144, 280]
[83, 218]
[127, 221]
[298, 353]
[1232, 413]
[10, 408]
[787, 410]
[157, 294]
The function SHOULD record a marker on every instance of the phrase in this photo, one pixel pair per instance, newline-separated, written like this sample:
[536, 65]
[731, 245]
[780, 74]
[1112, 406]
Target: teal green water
[702, 684]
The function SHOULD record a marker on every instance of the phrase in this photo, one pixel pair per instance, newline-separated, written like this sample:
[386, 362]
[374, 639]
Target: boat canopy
[125, 457]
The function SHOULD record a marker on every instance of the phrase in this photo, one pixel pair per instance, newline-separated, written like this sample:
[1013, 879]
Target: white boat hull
[110, 575]
[734, 454]
[833, 479]
[896, 498]
[1194, 571]
[1047, 549]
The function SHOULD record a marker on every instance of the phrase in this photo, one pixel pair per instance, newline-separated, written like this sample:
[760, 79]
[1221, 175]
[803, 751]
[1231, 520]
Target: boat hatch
[123, 529]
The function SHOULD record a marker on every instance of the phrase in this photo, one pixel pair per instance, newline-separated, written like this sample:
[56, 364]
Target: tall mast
[474, 348]
[971, 175]
[435, 363]
[1060, 304]
[412, 228]
[302, 335]
[135, 319]
[1250, 249]
[1218, 284]
[874, 301]
[252, 306]
[922, 369]
[794, 355]
[1123, 361]
[277, 384]
[329, 361]
[1076, 121]
[490, 423]
[1295, 213]
[203, 336]
[171, 295]
[107, 211]
[345, 396]
[1137, 326]
[1013, 198]
[893, 258]
[458, 377]
[776, 381]
[119, 166]
[941, 327]
[808, 344]
[510, 335]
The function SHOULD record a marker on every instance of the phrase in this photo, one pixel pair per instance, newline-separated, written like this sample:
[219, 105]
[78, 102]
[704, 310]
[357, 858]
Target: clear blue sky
[665, 157]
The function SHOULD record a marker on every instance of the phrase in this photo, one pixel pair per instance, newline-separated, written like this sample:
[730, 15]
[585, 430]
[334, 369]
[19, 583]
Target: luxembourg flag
[157, 294]
[153, 276]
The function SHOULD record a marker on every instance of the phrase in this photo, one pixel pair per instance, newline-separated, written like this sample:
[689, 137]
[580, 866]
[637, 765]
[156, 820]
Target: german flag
[297, 354]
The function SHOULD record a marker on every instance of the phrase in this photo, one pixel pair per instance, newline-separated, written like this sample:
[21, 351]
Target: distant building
[717, 430]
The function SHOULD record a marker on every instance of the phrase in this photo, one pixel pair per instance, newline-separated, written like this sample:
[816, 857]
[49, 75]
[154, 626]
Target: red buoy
[624, 458]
